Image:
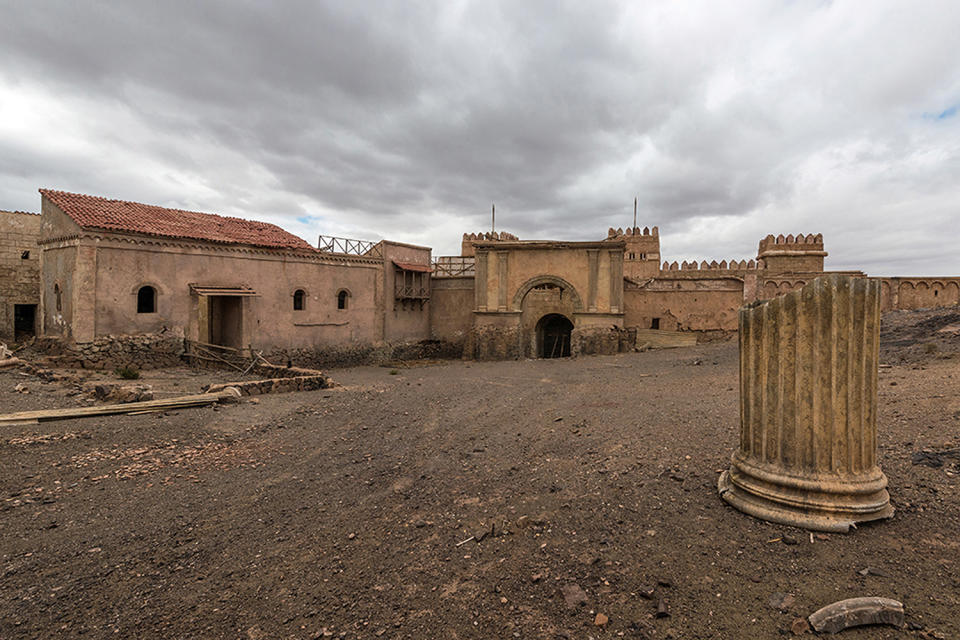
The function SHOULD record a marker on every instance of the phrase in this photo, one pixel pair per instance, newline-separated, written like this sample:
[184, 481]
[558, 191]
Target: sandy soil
[339, 513]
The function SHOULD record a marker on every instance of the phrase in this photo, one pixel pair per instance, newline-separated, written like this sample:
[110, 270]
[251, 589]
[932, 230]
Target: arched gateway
[553, 336]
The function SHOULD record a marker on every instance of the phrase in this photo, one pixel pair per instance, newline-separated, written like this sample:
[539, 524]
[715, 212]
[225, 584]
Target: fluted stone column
[808, 408]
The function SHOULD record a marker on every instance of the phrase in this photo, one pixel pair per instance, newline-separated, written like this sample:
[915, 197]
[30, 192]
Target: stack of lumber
[149, 406]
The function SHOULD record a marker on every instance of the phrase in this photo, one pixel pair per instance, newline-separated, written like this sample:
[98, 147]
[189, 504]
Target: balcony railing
[348, 246]
[454, 267]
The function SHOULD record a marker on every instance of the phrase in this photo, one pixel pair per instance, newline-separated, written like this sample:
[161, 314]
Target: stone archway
[565, 289]
[541, 297]
[553, 336]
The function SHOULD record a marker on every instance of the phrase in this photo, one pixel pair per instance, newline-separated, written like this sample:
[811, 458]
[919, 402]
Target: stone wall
[19, 267]
[352, 355]
[275, 385]
[505, 343]
[493, 343]
[146, 351]
[602, 340]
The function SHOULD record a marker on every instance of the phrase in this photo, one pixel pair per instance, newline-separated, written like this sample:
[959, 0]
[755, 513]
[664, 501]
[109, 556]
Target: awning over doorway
[410, 266]
[220, 290]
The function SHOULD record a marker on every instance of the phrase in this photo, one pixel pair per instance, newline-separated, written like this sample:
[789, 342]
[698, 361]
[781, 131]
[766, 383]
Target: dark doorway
[553, 336]
[226, 321]
[24, 321]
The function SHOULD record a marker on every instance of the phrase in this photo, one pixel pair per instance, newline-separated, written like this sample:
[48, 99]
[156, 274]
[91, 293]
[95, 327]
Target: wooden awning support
[214, 290]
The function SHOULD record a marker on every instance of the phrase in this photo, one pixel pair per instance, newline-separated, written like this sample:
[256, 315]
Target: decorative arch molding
[554, 280]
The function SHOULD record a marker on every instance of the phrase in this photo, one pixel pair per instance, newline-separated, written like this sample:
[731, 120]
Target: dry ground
[338, 513]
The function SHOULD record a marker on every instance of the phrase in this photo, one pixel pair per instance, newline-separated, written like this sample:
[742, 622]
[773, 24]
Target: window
[147, 300]
[655, 323]
[56, 292]
[298, 299]
[25, 255]
[342, 299]
[632, 256]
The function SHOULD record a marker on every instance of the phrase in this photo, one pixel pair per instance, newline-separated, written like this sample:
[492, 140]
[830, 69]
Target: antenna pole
[634, 213]
[493, 218]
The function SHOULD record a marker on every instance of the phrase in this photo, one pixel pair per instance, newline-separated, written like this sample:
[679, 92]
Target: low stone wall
[366, 354]
[507, 343]
[493, 343]
[275, 385]
[143, 351]
[602, 341]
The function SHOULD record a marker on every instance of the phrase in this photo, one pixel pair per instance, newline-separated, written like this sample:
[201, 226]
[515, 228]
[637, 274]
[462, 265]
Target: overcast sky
[408, 119]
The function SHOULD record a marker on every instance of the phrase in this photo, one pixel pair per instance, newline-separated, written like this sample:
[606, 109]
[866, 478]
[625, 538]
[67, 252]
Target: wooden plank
[111, 409]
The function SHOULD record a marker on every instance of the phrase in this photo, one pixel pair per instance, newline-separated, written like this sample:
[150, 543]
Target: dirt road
[340, 513]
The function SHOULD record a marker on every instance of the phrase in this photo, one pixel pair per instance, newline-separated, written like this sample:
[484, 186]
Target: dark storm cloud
[408, 119]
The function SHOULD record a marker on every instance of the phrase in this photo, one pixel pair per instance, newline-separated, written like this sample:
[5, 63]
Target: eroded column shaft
[808, 407]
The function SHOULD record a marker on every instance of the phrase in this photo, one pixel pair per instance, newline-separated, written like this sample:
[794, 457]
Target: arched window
[56, 293]
[342, 299]
[298, 299]
[147, 300]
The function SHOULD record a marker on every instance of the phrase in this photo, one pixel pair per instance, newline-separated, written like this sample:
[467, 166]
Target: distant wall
[19, 271]
[684, 304]
[451, 308]
[918, 293]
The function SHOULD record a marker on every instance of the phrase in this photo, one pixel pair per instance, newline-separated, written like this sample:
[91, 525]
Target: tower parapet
[641, 258]
[799, 254]
[466, 245]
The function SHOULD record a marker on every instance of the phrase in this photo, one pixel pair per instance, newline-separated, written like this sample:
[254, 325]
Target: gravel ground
[340, 513]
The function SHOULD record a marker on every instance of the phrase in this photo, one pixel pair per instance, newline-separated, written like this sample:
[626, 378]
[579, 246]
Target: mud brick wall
[19, 275]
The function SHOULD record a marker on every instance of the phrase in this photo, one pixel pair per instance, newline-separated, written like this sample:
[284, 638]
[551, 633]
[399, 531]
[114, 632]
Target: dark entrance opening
[24, 321]
[226, 321]
[553, 336]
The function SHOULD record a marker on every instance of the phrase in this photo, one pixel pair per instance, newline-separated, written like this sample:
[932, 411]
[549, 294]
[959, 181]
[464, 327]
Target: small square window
[25, 255]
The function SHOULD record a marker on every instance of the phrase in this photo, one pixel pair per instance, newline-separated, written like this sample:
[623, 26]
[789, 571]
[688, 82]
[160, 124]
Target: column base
[819, 505]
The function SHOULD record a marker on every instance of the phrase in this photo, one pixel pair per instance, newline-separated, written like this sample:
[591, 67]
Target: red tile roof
[92, 212]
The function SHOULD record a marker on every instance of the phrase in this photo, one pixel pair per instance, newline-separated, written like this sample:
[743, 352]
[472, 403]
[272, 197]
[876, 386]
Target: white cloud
[407, 120]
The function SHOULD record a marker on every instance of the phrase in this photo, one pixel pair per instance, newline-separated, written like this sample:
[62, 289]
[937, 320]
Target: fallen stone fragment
[646, 592]
[662, 610]
[873, 571]
[573, 595]
[781, 601]
[855, 612]
[799, 626]
[601, 620]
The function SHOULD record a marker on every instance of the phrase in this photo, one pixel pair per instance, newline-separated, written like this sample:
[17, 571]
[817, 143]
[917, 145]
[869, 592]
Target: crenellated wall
[469, 239]
[796, 254]
[641, 256]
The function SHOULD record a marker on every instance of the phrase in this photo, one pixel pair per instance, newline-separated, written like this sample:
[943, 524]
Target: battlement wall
[713, 265]
[466, 244]
[635, 231]
[790, 244]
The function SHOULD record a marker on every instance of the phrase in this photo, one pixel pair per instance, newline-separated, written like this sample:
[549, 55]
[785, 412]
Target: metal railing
[349, 246]
[454, 267]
